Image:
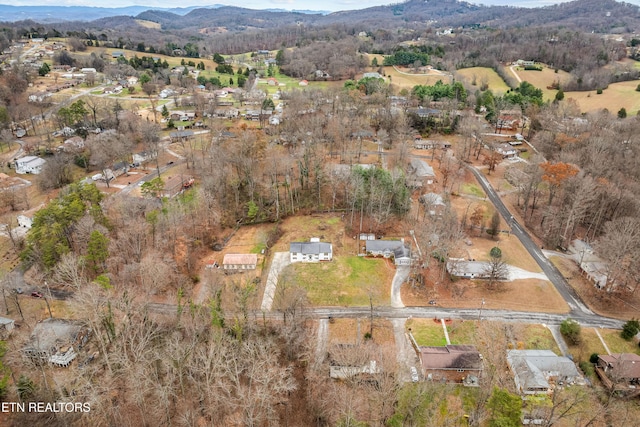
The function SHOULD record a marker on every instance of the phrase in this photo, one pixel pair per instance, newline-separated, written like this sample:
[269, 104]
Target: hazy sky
[332, 5]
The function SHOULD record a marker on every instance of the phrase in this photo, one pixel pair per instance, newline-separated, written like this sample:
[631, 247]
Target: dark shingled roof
[451, 357]
[383, 245]
[309, 247]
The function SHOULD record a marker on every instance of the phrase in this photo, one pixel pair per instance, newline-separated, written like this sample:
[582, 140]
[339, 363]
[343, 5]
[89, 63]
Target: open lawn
[616, 96]
[462, 332]
[472, 189]
[346, 281]
[284, 83]
[148, 24]
[427, 332]
[513, 253]
[512, 250]
[533, 295]
[328, 227]
[534, 337]
[351, 331]
[173, 61]
[405, 80]
[542, 79]
[590, 343]
[482, 75]
[617, 344]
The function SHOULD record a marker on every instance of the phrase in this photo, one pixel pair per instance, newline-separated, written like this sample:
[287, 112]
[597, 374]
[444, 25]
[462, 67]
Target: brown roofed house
[620, 371]
[239, 262]
[451, 363]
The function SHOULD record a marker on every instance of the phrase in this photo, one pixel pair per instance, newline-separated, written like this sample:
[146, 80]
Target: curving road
[579, 310]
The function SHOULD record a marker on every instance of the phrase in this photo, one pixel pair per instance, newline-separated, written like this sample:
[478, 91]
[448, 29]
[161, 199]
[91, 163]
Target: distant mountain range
[587, 15]
[50, 14]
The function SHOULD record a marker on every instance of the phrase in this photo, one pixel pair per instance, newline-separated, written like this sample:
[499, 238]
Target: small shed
[6, 326]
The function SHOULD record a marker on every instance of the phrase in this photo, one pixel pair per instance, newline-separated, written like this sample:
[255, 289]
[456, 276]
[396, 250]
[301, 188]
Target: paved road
[136, 182]
[579, 310]
[423, 313]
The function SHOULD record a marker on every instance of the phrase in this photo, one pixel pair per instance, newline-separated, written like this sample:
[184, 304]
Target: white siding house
[29, 164]
[313, 251]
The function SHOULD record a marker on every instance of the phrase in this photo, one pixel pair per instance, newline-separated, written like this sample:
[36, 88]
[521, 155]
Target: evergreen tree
[505, 409]
[97, 251]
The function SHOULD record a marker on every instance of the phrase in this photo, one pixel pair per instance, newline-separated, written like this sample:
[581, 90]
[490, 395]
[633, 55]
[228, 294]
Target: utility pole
[47, 297]
[481, 307]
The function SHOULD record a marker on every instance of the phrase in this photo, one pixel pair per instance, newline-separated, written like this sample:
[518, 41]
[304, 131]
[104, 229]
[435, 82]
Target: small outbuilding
[6, 326]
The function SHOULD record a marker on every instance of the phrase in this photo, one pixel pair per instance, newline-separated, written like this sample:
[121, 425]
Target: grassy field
[481, 75]
[462, 332]
[427, 332]
[351, 331]
[535, 337]
[472, 189]
[328, 227]
[617, 344]
[590, 344]
[284, 83]
[533, 295]
[346, 281]
[615, 97]
[148, 24]
[405, 80]
[542, 79]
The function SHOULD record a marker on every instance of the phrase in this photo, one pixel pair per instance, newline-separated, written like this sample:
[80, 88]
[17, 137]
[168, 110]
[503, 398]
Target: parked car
[19, 290]
[414, 374]
[36, 294]
[432, 302]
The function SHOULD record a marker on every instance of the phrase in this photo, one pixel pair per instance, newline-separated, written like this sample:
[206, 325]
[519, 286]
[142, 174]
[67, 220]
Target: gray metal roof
[422, 168]
[533, 367]
[383, 245]
[465, 268]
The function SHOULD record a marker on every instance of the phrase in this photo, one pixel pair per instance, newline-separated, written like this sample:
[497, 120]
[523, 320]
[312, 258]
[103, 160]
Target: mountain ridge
[588, 15]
